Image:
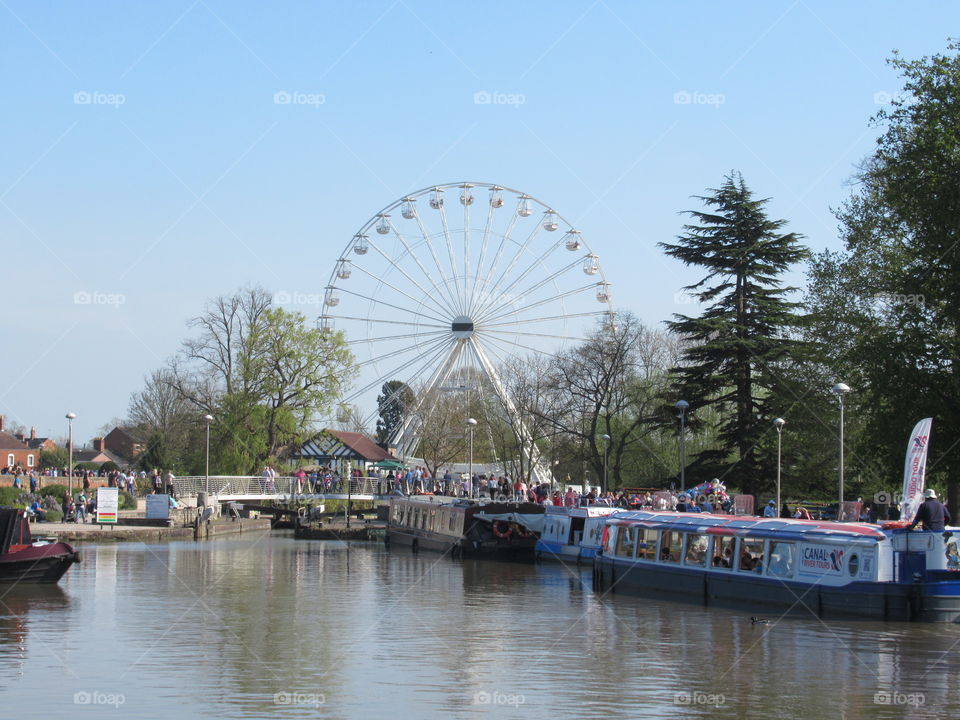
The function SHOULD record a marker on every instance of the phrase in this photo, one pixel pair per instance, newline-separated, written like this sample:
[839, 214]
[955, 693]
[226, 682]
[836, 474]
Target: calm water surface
[267, 626]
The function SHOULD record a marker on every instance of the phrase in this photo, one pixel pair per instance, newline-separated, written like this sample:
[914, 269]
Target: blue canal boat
[828, 568]
[572, 533]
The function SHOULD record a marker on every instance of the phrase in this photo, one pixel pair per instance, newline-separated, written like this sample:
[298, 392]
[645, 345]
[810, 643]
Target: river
[266, 626]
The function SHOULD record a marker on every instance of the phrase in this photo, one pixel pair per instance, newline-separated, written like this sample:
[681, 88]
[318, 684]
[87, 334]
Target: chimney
[33, 433]
[2, 422]
[98, 444]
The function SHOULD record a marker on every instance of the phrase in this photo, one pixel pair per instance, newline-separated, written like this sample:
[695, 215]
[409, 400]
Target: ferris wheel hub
[462, 327]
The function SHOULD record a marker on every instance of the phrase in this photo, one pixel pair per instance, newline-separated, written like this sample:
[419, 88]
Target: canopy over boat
[782, 528]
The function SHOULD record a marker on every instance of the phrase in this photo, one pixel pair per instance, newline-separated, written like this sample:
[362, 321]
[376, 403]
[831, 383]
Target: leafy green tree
[736, 344]
[57, 457]
[888, 308]
[262, 372]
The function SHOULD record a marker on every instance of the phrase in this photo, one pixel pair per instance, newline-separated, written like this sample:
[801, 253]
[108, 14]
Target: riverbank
[92, 533]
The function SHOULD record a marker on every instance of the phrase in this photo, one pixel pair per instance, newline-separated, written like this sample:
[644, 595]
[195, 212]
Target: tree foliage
[740, 339]
[262, 372]
[887, 308]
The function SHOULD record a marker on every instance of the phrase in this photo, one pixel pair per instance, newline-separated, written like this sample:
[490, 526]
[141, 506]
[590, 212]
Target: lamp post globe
[778, 424]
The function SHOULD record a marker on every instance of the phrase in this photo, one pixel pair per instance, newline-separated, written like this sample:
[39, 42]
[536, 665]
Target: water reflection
[271, 627]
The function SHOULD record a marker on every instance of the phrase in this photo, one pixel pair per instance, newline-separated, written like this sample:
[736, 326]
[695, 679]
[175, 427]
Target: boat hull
[44, 564]
[511, 550]
[931, 602]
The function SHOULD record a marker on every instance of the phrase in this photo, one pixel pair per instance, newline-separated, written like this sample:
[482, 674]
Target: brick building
[125, 442]
[16, 451]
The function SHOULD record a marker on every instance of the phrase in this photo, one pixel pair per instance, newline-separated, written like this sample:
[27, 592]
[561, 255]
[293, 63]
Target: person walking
[932, 513]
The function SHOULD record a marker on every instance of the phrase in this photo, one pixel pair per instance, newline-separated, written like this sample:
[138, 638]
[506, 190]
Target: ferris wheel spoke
[483, 253]
[492, 291]
[399, 267]
[397, 353]
[390, 305]
[407, 336]
[379, 279]
[405, 385]
[504, 240]
[466, 200]
[385, 322]
[452, 253]
[552, 336]
[509, 349]
[436, 261]
[435, 350]
[527, 291]
[515, 312]
[520, 322]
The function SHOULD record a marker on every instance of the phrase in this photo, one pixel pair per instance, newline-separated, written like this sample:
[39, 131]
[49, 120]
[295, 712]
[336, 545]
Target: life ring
[499, 531]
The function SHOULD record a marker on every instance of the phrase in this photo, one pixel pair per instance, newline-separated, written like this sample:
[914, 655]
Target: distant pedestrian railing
[254, 485]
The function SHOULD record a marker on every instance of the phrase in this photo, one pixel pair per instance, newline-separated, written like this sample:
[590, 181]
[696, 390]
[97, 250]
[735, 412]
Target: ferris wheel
[445, 284]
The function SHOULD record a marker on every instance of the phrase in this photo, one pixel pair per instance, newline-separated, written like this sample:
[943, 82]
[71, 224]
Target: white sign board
[108, 504]
[158, 507]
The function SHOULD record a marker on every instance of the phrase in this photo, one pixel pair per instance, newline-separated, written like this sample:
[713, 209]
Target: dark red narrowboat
[24, 561]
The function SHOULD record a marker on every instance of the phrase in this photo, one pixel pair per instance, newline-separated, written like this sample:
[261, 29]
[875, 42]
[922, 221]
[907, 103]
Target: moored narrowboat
[465, 528]
[827, 568]
[23, 560]
[572, 533]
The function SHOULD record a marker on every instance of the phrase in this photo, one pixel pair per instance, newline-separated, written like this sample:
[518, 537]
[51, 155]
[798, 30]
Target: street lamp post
[471, 424]
[206, 480]
[779, 423]
[682, 406]
[606, 458]
[840, 389]
[70, 418]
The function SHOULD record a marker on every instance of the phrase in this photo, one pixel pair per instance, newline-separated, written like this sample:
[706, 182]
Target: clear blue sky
[145, 160]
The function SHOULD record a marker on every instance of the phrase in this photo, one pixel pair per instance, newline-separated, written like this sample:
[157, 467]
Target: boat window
[423, 519]
[853, 565]
[723, 548]
[782, 556]
[751, 556]
[451, 515]
[670, 543]
[626, 539]
[647, 547]
[696, 550]
[416, 518]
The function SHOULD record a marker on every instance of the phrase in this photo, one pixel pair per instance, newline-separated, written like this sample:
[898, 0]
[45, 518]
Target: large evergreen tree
[742, 335]
[394, 402]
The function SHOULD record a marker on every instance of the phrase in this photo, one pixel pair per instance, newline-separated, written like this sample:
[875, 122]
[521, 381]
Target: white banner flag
[915, 469]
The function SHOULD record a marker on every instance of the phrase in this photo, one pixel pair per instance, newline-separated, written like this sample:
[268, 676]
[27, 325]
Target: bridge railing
[253, 485]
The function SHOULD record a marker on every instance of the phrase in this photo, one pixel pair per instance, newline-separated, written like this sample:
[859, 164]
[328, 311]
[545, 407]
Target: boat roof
[783, 528]
[582, 511]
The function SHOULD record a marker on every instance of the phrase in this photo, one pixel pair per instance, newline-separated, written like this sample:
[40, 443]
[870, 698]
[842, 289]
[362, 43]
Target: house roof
[339, 443]
[99, 456]
[37, 443]
[9, 442]
[133, 433]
